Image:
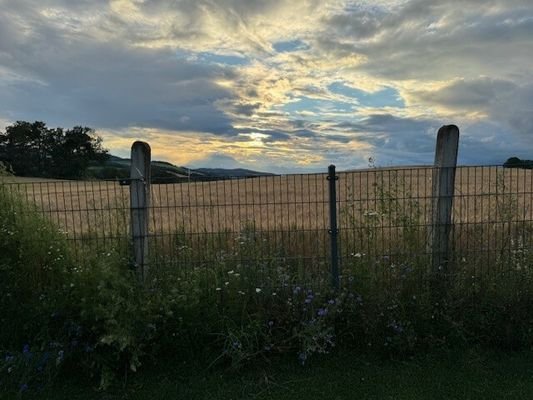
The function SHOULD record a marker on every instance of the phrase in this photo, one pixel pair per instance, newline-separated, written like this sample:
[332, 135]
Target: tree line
[33, 149]
[515, 162]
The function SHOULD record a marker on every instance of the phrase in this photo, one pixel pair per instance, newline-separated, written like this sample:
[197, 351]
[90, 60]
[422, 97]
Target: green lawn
[458, 375]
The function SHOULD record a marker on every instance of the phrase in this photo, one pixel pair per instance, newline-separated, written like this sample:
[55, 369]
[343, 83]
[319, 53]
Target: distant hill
[233, 173]
[164, 172]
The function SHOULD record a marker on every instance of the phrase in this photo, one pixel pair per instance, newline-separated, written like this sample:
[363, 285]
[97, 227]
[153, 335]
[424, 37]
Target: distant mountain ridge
[162, 171]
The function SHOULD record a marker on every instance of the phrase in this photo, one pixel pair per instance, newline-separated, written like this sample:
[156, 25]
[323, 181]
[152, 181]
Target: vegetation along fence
[471, 225]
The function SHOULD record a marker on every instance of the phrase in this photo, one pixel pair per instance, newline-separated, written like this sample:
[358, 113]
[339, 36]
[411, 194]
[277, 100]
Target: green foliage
[236, 307]
[515, 162]
[33, 149]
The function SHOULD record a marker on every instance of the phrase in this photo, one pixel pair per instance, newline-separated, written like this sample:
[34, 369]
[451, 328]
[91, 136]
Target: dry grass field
[384, 221]
[483, 195]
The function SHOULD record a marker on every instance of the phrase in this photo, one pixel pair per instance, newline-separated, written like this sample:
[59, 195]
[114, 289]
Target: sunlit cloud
[275, 85]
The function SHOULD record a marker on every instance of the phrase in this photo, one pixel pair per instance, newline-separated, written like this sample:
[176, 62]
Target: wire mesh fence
[278, 227]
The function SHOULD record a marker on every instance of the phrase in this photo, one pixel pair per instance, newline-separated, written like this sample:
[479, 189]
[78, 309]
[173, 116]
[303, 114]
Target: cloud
[279, 84]
[107, 84]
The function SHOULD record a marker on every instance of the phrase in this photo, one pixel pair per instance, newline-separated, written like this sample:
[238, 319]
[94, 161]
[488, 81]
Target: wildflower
[322, 312]
[241, 292]
[270, 323]
[231, 272]
[23, 387]
[274, 294]
[302, 357]
[357, 255]
[218, 289]
[226, 283]
[297, 290]
[331, 302]
[257, 290]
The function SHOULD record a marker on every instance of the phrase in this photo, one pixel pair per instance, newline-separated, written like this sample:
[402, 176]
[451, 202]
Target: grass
[446, 375]
[251, 290]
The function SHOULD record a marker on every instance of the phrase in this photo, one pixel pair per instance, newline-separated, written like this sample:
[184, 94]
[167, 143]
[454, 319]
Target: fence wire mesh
[278, 226]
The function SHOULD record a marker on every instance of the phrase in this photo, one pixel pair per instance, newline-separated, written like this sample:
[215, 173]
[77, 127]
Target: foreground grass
[457, 375]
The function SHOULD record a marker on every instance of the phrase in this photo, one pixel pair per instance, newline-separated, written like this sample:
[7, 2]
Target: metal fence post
[333, 229]
[442, 196]
[139, 206]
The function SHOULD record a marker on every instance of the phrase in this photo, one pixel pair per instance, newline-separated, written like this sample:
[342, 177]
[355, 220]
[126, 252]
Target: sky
[279, 85]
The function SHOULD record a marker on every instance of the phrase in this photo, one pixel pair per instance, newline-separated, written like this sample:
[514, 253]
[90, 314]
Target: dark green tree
[32, 149]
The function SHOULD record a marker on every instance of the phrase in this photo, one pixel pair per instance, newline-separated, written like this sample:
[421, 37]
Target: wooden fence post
[442, 198]
[139, 206]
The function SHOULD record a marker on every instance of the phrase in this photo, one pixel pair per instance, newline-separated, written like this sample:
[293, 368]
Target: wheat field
[482, 195]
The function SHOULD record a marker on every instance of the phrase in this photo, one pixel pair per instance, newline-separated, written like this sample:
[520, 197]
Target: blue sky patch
[316, 105]
[205, 57]
[223, 59]
[291, 45]
[387, 97]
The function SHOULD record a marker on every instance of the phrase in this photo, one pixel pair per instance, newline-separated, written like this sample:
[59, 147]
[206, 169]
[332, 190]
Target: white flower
[218, 289]
[257, 290]
[231, 272]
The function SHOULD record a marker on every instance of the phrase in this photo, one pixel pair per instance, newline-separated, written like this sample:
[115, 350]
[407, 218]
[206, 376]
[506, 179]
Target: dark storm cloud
[430, 38]
[71, 80]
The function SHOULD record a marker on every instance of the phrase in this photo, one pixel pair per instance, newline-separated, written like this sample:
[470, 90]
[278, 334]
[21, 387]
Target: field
[381, 213]
[482, 195]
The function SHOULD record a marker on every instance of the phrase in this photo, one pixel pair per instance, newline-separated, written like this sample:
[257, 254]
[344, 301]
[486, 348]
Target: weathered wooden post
[139, 206]
[442, 199]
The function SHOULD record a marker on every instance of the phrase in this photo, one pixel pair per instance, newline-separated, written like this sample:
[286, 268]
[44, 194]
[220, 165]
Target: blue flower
[322, 312]
[23, 387]
[26, 349]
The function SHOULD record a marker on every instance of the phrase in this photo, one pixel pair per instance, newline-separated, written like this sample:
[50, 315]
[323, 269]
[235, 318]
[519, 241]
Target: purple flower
[26, 349]
[322, 312]
[331, 302]
[23, 387]
[297, 290]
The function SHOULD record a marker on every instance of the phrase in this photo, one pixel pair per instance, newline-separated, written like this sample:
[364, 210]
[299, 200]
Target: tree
[32, 149]
[515, 162]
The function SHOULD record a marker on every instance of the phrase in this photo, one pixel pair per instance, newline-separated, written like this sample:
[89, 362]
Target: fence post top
[448, 129]
[140, 144]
